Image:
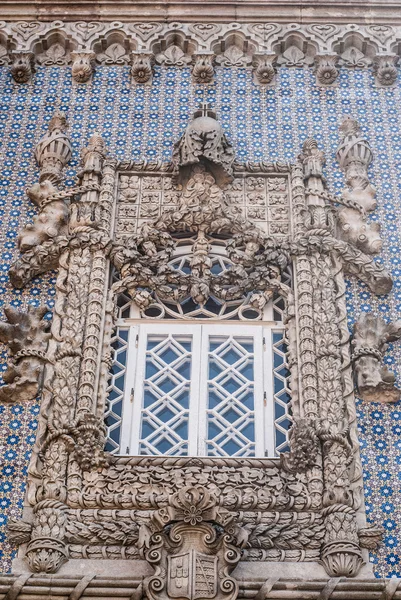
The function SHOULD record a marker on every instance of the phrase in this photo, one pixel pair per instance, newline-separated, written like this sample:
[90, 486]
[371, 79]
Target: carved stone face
[374, 382]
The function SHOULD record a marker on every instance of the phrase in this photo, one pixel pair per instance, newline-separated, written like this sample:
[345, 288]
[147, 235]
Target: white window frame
[262, 332]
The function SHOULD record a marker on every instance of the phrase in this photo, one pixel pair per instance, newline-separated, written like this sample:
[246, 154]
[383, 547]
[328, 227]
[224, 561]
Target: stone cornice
[284, 11]
[202, 45]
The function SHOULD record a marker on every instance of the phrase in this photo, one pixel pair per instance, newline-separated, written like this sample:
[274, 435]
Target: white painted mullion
[259, 390]
[144, 331]
[194, 392]
[128, 405]
[268, 412]
[203, 389]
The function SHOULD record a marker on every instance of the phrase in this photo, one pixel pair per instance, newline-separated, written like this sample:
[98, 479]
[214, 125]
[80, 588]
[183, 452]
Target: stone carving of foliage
[55, 55]
[173, 56]
[234, 57]
[352, 57]
[115, 54]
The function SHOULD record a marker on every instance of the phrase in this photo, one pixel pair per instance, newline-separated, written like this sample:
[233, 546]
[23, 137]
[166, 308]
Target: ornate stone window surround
[85, 505]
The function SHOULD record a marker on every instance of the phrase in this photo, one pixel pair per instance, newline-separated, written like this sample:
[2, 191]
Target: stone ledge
[36, 587]
[284, 11]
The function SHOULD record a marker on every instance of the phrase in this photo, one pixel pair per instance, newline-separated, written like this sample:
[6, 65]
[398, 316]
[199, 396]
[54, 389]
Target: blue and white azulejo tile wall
[263, 124]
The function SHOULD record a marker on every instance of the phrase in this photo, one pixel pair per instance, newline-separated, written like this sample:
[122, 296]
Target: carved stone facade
[201, 523]
[196, 522]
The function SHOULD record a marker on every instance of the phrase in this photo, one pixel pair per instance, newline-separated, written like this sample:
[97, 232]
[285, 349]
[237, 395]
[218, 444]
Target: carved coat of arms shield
[192, 575]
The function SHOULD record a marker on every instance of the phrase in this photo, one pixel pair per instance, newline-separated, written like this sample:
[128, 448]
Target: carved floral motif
[326, 69]
[203, 71]
[22, 66]
[142, 67]
[385, 69]
[83, 65]
[264, 70]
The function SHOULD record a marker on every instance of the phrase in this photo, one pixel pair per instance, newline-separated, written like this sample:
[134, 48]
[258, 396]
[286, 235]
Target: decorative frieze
[235, 45]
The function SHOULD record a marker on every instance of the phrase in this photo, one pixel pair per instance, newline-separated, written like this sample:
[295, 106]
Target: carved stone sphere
[203, 124]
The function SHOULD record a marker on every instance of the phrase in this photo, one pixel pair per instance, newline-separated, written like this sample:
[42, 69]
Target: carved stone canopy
[204, 142]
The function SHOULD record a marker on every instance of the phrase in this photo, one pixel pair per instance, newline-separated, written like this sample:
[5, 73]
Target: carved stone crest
[191, 551]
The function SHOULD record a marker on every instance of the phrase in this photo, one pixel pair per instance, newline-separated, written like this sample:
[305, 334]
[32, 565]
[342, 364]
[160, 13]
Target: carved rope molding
[202, 46]
[305, 506]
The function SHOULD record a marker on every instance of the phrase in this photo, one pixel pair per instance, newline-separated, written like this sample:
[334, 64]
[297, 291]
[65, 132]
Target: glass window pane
[281, 393]
[165, 412]
[114, 402]
[230, 396]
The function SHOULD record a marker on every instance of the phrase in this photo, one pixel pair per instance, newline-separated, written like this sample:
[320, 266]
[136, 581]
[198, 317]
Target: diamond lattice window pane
[114, 403]
[282, 397]
[230, 402]
[165, 412]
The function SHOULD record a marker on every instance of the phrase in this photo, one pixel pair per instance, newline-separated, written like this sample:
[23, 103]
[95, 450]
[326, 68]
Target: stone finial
[22, 66]
[203, 71]
[326, 69]
[26, 335]
[83, 65]
[53, 151]
[204, 141]
[354, 155]
[374, 382]
[93, 155]
[263, 68]
[385, 69]
[142, 67]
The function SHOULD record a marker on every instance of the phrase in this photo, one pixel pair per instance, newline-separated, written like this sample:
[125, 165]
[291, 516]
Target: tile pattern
[267, 124]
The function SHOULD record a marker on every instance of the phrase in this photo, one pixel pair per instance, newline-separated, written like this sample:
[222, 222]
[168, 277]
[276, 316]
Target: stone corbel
[193, 549]
[326, 69]
[374, 382]
[26, 335]
[203, 71]
[385, 69]
[264, 71]
[142, 67]
[83, 65]
[22, 65]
